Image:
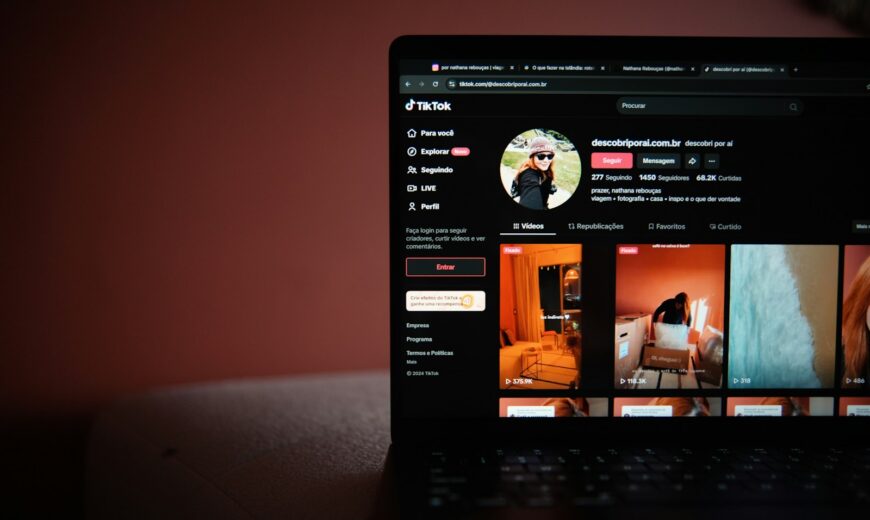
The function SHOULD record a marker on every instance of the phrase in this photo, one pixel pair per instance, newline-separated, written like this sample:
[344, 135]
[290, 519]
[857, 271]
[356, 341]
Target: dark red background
[197, 192]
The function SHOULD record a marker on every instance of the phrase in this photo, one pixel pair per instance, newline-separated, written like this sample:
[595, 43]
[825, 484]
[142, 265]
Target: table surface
[300, 447]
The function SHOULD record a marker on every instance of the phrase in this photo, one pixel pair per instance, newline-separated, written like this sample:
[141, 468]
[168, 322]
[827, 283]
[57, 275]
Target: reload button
[444, 266]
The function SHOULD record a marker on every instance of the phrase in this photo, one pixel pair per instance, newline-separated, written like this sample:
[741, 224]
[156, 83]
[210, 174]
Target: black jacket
[672, 315]
[533, 192]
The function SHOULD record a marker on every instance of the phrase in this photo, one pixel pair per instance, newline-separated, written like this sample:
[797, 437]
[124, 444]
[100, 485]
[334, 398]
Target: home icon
[412, 133]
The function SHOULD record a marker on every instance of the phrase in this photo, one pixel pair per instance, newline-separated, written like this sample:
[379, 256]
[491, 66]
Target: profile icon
[540, 169]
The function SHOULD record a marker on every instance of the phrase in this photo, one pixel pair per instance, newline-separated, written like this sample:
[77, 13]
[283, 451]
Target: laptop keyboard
[603, 477]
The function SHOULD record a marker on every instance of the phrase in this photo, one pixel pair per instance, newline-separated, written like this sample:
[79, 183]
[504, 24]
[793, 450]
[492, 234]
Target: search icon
[793, 107]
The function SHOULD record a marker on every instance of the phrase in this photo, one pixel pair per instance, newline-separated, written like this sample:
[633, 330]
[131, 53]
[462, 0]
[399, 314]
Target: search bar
[709, 106]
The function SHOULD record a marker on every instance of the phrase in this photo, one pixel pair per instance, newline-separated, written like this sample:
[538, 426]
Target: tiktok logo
[425, 106]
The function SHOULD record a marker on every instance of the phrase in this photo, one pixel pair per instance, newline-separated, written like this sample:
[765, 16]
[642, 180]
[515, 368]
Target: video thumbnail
[667, 407]
[854, 407]
[780, 406]
[783, 319]
[856, 317]
[539, 316]
[552, 407]
[670, 314]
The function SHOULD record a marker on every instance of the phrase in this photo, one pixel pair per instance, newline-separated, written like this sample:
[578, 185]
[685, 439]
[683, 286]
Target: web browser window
[621, 237]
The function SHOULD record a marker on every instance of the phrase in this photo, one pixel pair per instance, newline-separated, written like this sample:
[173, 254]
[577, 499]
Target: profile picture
[540, 169]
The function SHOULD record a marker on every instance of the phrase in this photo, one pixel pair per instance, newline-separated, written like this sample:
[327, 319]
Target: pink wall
[198, 191]
[646, 279]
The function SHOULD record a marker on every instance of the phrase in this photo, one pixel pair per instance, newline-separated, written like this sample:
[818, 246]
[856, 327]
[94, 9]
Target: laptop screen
[629, 228]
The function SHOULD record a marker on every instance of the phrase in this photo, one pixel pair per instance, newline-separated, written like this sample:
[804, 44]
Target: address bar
[595, 85]
[497, 83]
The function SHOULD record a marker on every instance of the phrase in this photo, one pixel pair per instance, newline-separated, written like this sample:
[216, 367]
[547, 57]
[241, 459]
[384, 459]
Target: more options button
[433, 266]
[861, 226]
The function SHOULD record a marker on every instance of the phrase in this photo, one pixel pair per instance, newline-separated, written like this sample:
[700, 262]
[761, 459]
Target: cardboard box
[666, 358]
[709, 372]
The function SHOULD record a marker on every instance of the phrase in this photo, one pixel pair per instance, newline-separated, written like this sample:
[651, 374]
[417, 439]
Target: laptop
[629, 276]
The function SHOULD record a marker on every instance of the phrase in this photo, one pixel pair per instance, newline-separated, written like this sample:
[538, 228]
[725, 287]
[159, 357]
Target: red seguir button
[612, 160]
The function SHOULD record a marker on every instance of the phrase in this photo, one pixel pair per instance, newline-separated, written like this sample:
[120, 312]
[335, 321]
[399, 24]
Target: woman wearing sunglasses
[534, 178]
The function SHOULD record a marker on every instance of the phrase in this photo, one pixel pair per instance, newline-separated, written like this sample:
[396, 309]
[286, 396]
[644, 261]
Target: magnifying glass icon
[793, 107]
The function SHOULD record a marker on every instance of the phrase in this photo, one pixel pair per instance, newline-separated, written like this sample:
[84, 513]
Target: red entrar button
[620, 161]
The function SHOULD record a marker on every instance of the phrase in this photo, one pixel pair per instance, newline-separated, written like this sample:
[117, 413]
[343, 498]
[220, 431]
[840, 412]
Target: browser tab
[744, 71]
[657, 69]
